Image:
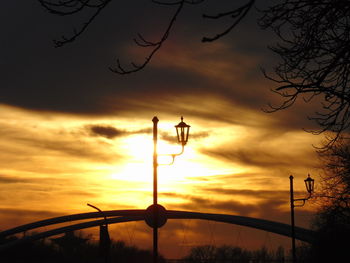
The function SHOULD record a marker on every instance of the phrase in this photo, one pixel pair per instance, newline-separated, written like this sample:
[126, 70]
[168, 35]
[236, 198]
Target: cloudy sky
[73, 132]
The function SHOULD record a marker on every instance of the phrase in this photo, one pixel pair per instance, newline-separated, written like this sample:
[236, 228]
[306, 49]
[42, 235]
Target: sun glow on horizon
[186, 167]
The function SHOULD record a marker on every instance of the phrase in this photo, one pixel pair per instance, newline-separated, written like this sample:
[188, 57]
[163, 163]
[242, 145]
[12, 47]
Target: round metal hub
[155, 216]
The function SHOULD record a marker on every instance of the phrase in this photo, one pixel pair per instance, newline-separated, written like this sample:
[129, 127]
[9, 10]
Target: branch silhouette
[142, 42]
[315, 54]
[314, 50]
[72, 7]
[236, 14]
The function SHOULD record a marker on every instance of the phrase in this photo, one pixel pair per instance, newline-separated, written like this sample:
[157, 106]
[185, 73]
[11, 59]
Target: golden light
[188, 166]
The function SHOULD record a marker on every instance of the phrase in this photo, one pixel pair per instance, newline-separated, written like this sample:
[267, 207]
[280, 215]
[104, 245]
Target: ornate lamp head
[309, 183]
[182, 131]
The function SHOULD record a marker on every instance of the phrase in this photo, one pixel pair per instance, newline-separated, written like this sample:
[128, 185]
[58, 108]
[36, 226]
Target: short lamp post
[105, 241]
[309, 184]
[182, 131]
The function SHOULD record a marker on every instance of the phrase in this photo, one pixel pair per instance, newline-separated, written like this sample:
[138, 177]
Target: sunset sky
[73, 132]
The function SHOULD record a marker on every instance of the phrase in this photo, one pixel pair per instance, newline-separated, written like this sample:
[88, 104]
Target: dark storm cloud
[231, 206]
[75, 78]
[269, 209]
[74, 143]
[77, 147]
[173, 139]
[13, 180]
[251, 157]
[106, 131]
[111, 132]
[192, 202]
[261, 195]
[265, 195]
[266, 207]
[273, 157]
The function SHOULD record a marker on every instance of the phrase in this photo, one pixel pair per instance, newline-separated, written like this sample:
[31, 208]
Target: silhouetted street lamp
[182, 131]
[105, 241]
[309, 184]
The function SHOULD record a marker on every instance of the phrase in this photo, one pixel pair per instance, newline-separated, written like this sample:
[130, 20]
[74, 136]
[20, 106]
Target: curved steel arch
[62, 230]
[69, 218]
[302, 234]
[138, 215]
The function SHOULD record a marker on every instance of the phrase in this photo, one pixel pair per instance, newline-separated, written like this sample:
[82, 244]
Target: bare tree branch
[71, 7]
[236, 14]
[335, 191]
[315, 54]
[154, 45]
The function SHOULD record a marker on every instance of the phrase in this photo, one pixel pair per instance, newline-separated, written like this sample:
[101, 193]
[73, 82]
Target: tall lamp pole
[182, 131]
[309, 184]
[155, 189]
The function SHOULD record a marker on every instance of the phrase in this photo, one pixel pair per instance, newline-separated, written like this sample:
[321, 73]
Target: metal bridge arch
[120, 216]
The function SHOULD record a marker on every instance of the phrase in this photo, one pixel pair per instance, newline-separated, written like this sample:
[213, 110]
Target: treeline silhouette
[74, 247]
[228, 254]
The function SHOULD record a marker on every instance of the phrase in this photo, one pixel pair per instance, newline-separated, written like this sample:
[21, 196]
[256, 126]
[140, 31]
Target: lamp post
[105, 241]
[309, 184]
[182, 131]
